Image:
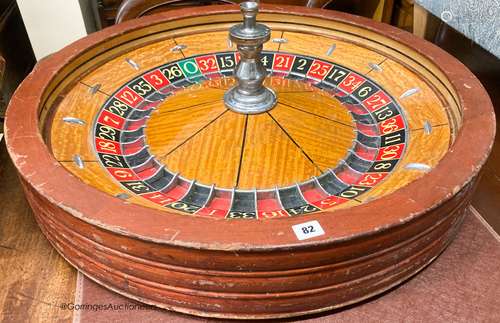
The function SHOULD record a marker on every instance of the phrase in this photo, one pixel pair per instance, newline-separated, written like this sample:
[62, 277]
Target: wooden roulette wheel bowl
[143, 180]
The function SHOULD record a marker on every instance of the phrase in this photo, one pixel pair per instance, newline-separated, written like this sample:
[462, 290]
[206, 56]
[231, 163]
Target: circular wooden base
[251, 284]
[246, 269]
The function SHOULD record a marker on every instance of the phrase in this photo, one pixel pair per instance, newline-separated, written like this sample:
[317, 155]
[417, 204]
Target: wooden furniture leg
[420, 19]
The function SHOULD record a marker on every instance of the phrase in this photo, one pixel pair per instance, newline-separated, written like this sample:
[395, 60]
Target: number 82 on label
[308, 230]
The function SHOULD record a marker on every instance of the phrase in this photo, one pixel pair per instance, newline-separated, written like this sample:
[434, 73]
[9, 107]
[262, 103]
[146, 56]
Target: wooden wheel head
[119, 137]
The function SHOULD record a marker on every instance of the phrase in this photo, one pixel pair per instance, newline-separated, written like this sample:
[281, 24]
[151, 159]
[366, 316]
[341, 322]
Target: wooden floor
[34, 279]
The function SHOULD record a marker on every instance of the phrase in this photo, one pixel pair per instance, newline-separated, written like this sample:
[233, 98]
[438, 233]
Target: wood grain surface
[34, 279]
[70, 139]
[118, 71]
[307, 133]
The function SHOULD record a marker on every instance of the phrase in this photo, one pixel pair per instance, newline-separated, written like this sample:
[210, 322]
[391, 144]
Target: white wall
[52, 24]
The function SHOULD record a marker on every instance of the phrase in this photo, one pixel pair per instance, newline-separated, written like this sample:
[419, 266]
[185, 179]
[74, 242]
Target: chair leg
[420, 19]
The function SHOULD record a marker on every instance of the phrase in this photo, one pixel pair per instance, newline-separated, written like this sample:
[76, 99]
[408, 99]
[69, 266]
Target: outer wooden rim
[164, 260]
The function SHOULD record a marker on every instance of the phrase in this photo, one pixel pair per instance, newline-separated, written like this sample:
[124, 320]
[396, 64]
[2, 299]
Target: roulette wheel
[249, 170]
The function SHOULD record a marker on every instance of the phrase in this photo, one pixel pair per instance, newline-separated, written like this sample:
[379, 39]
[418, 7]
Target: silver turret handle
[249, 96]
